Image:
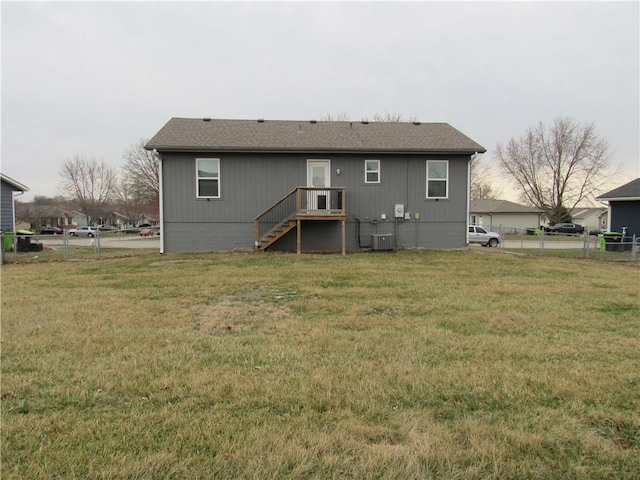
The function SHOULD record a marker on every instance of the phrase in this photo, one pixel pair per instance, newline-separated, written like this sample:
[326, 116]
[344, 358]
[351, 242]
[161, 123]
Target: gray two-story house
[312, 186]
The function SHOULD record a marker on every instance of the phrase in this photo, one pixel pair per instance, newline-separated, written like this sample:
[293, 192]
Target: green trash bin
[601, 242]
[8, 241]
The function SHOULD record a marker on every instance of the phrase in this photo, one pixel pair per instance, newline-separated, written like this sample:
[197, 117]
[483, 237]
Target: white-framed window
[437, 178]
[208, 177]
[372, 171]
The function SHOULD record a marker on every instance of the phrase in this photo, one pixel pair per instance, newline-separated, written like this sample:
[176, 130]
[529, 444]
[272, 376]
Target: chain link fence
[26, 248]
[23, 248]
[609, 246]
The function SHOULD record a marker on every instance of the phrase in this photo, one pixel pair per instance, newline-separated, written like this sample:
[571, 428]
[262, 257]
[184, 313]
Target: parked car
[568, 228]
[483, 236]
[131, 230]
[83, 231]
[146, 232]
[107, 228]
[51, 231]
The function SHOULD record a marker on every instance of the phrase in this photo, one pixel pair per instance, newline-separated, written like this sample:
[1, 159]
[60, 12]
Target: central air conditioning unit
[381, 242]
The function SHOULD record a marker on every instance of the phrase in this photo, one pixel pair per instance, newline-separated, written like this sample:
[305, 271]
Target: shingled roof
[628, 191]
[203, 134]
[14, 183]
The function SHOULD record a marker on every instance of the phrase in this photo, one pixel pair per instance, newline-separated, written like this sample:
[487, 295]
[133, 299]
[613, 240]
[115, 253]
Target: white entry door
[318, 176]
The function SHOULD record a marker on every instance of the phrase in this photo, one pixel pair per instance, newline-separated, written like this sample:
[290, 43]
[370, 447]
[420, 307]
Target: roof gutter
[163, 149]
[616, 199]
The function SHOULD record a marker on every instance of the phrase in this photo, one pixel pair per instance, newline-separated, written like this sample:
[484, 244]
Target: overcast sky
[94, 78]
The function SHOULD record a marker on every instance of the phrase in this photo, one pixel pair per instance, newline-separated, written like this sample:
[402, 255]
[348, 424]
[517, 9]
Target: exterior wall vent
[206, 119]
[381, 242]
[261, 120]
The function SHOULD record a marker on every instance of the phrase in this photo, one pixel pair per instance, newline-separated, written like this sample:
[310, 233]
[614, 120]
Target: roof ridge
[207, 134]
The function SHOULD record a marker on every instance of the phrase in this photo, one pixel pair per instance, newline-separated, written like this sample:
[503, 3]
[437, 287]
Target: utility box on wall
[381, 242]
[398, 210]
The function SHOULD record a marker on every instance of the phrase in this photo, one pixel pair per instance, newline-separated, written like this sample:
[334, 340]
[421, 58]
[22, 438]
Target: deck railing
[300, 202]
[321, 200]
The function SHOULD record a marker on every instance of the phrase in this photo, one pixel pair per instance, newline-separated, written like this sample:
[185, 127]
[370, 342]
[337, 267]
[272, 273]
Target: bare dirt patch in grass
[239, 313]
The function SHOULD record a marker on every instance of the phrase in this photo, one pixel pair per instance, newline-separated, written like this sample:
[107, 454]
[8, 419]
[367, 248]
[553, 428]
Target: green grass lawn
[412, 365]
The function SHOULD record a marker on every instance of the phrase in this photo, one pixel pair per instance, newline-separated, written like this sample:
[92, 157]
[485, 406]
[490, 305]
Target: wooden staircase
[276, 233]
[298, 205]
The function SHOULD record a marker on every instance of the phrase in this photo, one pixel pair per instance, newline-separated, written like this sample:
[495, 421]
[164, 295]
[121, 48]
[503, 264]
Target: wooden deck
[299, 205]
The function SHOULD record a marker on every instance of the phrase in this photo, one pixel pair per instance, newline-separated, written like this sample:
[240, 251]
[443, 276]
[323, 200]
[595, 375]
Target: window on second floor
[372, 171]
[208, 177]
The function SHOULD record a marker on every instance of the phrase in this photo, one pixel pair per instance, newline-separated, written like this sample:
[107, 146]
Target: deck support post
[344, 237]
[299, 236]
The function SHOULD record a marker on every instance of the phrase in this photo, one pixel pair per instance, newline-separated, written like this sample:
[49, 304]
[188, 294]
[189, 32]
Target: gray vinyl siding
[7, 222]
[325, 236]
[625, 214]
[251, 183]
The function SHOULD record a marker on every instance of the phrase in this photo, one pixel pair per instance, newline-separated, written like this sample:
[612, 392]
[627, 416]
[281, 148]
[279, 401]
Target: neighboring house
[624, 208]
[79, 219]
[39, 216]
[590, 218]
[311, 186]
[118, 220]
[8, 189]
[148, 220]
[510, 216]
[122, 221]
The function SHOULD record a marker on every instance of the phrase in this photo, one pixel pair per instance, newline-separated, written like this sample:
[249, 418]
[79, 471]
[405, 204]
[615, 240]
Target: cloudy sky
[93, 78]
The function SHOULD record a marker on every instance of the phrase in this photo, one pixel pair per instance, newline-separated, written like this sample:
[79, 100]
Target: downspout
[466, 228]
[162, 228]
[13, 205]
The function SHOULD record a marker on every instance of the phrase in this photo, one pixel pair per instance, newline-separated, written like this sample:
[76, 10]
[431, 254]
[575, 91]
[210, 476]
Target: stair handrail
[257, 220]
[276, 204]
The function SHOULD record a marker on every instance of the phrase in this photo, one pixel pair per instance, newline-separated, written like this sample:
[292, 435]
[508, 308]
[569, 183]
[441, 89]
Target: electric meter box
[398, 210]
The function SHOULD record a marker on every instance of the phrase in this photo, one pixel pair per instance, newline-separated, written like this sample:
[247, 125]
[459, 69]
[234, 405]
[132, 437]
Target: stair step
[275, 233]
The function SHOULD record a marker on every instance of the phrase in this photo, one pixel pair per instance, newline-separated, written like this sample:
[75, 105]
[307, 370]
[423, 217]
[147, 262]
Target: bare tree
[129, 201]
[89, 182]
[557, 166]
[377, 117]
[392, 117]
[142, 172]
[480, 183]
[25, 213]
[338, 117]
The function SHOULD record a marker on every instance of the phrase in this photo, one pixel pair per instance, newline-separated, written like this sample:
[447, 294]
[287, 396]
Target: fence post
[542, 235]
[96, 244]
[635, 245]
[586, 244]
[65, 245]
